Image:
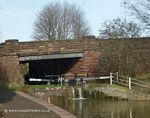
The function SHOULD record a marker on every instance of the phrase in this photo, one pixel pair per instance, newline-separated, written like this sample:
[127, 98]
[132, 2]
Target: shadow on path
[6, 96]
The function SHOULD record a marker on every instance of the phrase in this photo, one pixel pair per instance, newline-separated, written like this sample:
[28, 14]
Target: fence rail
[131, 83]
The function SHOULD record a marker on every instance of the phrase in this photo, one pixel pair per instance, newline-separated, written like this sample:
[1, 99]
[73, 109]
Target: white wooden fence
[124, 81]
[131, 83]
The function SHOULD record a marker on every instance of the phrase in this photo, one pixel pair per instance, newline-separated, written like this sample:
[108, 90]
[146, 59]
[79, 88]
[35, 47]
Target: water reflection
[97, 108]
[77, 93]
[130, 112]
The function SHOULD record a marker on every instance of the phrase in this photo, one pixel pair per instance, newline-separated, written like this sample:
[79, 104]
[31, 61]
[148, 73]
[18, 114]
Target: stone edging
[59, 111]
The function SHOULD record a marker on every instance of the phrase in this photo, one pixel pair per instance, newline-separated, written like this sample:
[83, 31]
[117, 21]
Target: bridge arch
[49, 57]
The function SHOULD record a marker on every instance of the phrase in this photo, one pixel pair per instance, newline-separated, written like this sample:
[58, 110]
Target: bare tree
[60, 21]
[118, 56]
[141, 10]
[118, 28]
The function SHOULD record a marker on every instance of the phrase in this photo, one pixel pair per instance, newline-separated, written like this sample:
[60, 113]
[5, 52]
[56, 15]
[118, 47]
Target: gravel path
[19, 107]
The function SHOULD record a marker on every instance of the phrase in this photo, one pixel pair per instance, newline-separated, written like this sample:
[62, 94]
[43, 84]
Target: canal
[100, 108]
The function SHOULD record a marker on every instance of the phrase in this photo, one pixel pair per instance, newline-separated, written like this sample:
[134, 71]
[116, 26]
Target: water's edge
[61, 112]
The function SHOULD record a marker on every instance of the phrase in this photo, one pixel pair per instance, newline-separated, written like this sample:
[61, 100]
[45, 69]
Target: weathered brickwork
[11, 50]
[9, 69]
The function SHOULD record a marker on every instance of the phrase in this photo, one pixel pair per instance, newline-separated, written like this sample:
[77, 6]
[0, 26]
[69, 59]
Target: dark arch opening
[40, 68]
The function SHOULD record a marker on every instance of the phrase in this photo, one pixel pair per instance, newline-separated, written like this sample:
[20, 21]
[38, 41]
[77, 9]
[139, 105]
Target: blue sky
[17, 16]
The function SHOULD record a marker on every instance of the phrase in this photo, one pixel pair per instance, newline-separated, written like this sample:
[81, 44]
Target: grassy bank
[144, 77]
[25, 88]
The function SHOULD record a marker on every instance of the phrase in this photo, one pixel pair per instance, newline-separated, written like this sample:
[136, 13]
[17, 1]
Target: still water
[98, 108]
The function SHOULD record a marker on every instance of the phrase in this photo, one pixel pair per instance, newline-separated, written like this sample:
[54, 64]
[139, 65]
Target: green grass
[1, 112]
[43, 86]
[25, 88]
[144, 77]
[107, 85]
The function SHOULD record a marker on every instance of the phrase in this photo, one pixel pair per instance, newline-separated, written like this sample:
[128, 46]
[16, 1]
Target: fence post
[117, 76]
[111, 78]
[129, 83]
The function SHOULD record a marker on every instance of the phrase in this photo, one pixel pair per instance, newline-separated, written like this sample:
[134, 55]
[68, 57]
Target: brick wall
[93, 50]
[9, 69]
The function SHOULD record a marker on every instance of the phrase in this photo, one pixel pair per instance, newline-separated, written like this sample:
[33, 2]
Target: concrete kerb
[59, 111]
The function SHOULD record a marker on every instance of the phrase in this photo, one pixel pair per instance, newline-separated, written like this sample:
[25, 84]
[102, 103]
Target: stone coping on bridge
[61, 112]
[14, 46]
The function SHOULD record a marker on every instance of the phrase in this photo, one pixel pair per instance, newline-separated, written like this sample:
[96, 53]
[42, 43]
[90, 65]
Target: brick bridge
[55, 57]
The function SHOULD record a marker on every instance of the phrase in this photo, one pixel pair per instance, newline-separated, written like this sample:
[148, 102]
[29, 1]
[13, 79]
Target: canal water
[100, 108]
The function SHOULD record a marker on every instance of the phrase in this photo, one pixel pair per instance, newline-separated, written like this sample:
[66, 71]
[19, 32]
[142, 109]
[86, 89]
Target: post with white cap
[117, 76]
[129, 83]
[111, 78]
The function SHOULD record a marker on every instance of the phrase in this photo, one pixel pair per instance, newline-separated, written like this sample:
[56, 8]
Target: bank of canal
[15, 106]
[102, 101]
[98, 104]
